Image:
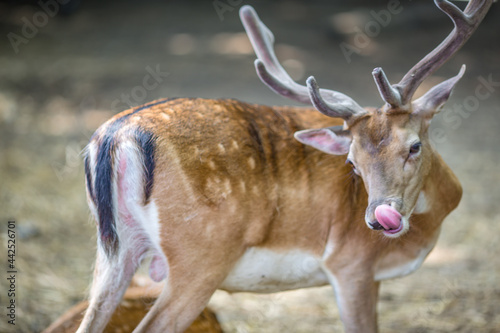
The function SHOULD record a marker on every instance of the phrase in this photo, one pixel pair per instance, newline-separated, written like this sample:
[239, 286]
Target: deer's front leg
[356, 294]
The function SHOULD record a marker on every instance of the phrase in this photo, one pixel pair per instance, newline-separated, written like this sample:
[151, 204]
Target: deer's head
[387, 147]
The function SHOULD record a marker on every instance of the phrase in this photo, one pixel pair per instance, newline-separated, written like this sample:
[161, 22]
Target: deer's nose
[376, 226]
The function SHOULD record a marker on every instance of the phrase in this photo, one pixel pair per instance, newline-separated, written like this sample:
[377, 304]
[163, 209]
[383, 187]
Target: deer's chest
[398, 264]
[263, 270]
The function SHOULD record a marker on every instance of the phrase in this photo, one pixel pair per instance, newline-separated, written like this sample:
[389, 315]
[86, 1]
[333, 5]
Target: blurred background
[64, 70]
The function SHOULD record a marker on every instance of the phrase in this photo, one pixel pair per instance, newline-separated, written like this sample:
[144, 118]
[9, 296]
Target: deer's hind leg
[111, 279]
[201, 253]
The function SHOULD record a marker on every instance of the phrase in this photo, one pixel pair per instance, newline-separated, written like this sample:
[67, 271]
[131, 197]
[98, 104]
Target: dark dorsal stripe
[104, 173]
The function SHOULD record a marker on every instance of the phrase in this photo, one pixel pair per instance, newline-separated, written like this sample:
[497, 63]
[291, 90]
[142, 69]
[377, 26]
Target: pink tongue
[388, 217]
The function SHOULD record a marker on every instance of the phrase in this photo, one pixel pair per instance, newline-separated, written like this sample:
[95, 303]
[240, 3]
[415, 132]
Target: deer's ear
[331, 140]
[433, 101]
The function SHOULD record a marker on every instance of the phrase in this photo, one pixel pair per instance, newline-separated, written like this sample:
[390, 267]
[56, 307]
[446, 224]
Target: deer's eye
[352, 165]
[415, 148]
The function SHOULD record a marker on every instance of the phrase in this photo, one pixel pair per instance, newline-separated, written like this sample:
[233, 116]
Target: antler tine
[281, 86]
[465, 23]
[344, 107]
[267, 65]
[390, 95]
[275, 77]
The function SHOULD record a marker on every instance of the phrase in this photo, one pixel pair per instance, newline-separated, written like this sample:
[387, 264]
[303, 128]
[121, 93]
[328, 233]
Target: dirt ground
[61, 80]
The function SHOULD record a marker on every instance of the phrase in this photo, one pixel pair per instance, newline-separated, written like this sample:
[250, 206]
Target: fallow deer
[220, 196]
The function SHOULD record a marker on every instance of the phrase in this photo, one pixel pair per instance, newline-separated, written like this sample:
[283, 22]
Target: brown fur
[229, 176]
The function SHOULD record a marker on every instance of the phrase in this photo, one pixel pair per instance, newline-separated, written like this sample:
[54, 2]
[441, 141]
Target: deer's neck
[442, 192]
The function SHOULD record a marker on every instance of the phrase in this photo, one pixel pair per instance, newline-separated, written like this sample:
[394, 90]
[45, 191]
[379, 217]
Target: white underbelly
[265, 271]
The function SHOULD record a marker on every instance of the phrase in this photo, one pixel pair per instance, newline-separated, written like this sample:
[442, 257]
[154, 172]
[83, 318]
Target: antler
[328, 102]
[466, 22]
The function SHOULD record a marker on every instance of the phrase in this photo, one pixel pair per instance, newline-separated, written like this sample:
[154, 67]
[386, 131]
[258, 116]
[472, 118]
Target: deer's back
[246, 146]
[225, 152]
